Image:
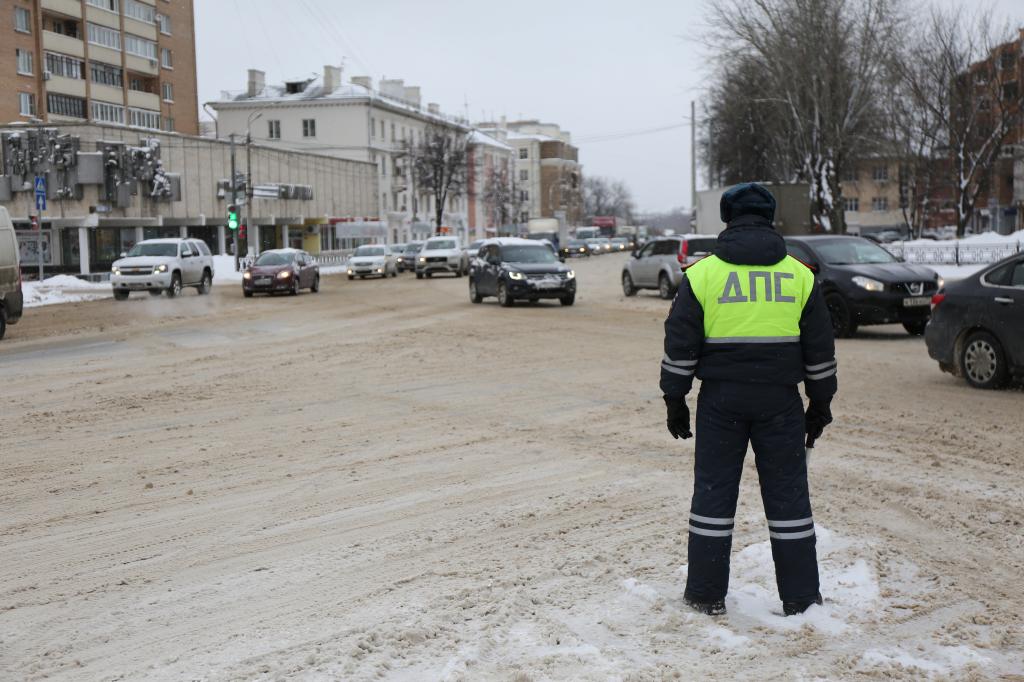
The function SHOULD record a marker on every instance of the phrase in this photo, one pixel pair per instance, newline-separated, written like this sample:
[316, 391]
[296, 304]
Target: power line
[608, 137]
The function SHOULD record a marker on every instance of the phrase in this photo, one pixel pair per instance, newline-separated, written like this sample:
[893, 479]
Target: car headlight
[516, 275]
[350, 271]
[115, 270]
[582, 250]
[159, 268]
[246, 275]
[422, 259]
[868, 283]
[571, 274]
[940, 282]
[284, 274]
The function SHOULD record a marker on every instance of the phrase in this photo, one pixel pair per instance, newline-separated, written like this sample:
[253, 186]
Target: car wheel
[175, 289]
[843, 324]
[474, 295]
[665, 287]
[120, 294]
[915, 327]
[503, 297]
[394, 273]
[295, 287]
[155, 292]
[247, 294]
[3, 322]
[419, 275]
[316, 285]
[458, 271]
[628, 288]
[983, 362]
[430, 275]
[568, 300]
[205, 284]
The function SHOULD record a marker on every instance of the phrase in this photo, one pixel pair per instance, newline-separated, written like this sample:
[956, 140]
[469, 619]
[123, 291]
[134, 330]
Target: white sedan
[372, 260]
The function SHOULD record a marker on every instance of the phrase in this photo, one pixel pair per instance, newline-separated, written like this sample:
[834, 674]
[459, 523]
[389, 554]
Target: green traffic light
[232, 218]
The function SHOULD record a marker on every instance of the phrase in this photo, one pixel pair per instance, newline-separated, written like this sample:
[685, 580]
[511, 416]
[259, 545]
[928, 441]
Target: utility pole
[40, 207]
[234, 198]
[693, 157]
[247, 211]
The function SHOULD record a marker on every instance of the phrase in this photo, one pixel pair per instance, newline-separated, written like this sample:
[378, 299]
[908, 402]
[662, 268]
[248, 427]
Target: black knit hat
[749, 198]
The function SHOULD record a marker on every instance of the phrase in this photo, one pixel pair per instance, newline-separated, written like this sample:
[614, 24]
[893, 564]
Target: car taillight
[684, 251]
[937, 299]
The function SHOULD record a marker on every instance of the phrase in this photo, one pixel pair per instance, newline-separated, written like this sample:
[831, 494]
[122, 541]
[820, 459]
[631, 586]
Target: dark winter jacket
[749, 240]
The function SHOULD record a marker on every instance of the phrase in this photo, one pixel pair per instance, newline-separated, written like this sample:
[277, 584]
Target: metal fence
[957, 253]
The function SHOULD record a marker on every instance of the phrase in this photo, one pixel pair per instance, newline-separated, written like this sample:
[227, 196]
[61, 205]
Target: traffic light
[232, 217]
[241, 231]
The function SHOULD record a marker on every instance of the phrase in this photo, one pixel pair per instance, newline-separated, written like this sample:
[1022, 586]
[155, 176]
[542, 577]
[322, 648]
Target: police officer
[751, 323]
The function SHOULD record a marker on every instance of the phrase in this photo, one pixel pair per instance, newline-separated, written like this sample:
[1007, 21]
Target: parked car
[520, 269]
[864, 284]
[660, 263]
[441, 254]
[372, 260]
[977, 325]
[11, 298]
[159, 265]
[407, 261]
[620, 244]
[576, 248]
[281, 270]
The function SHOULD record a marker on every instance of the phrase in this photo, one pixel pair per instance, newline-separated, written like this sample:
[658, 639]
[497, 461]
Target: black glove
[678, 418]
[819, 415]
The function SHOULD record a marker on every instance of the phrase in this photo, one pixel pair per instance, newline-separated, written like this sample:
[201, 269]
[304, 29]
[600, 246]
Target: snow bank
[974, 240]
[63, 289]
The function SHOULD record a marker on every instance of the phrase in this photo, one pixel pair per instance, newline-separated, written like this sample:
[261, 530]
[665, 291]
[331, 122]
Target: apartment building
[121, 62]
[871, 194]
[323, 114]
[548, 173]
[492, 208]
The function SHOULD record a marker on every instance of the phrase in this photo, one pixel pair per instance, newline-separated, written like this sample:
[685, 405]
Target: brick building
[121, 62]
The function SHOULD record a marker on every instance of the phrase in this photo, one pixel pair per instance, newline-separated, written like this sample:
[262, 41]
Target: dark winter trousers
[771, 418]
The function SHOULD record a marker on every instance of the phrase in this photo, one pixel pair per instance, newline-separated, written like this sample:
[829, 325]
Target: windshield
[577, 243]
[154, 249]
[413, 248]
[370, 251]
[475, 246]
[852, 252]
[528, 254]
[271, 258]
[440, 244]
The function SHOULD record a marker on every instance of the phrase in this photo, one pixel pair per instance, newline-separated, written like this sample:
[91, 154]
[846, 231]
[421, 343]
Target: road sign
[40, 193]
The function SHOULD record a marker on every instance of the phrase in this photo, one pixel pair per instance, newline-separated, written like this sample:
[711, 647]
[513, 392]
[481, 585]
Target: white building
[353, 121]
[491, 162]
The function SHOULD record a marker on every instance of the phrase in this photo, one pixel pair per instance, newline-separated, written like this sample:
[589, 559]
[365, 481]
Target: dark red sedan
[281, 270]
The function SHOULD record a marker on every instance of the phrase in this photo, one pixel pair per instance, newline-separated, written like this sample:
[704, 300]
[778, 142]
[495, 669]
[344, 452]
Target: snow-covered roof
[513, 241]
[480, 138]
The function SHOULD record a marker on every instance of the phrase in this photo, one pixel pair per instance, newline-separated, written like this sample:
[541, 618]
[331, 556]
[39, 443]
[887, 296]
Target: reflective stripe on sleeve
[822, 375]
[824, 365]
[676, 370]
[678, 363]
[787, 536]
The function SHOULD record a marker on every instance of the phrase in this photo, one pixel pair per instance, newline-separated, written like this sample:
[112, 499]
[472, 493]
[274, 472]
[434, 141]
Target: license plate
[917, 301]
[263, 281]
[136, 286]
[548, 284]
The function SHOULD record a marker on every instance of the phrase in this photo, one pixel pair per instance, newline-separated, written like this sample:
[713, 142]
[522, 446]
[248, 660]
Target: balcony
[150, 67]
[103, 17]
[98, 53]
[66, 86]
[55, 42]
[107, 93]
[140, 28]
[72, 8]
[143, 100]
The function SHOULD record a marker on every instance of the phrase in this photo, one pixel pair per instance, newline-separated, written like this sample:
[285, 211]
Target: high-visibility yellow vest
[751, 303]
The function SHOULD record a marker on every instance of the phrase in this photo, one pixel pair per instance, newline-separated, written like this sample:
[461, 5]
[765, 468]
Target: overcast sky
[600, 69]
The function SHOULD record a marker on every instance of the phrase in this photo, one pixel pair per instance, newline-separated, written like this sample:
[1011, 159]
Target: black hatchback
[520, 269]
[864, 284]
[977, 327]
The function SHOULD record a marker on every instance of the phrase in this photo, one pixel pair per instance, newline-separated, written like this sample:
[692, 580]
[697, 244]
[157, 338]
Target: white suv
[158, 265]
[441, 254]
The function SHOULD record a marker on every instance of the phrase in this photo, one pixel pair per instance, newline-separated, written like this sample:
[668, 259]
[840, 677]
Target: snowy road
[383, 481]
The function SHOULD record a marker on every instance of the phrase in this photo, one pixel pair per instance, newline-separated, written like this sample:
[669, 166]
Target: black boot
[792, 608]
[708, 608]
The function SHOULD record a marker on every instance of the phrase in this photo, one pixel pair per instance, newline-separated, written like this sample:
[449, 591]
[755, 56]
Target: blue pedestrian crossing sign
[40, 193]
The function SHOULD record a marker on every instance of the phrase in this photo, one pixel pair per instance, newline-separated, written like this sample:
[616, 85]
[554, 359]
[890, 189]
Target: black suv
[864, 284]
[977, 327]
[520, 269]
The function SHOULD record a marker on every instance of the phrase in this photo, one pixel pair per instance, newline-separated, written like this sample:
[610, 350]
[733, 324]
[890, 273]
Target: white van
[10, 274]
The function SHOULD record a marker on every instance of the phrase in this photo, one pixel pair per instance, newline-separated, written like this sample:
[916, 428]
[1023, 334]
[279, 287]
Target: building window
[104, 37]
[880, 204]
[24, 62]
[524, 153]
[107, 113]
[64, 66]
[63, 27]
[109, 5]
[140, 47]
[166, 58]
[851, 204]
[143, 118]
[850, 174]
[382, 135]
[65, 105]
[309, 127]
[164, 22]
[105, 74]
[524, 217]
[392, 131]
[22, 20]
[524, 195]
[274, 130]
[140, 11]
[881, 173]
[524, 175]
[169, 124]
[26, 104]
[168, 92]
[373, 127]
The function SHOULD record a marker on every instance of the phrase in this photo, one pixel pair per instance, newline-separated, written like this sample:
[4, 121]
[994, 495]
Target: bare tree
[502, 198]
[440, 162]
[822, 64]
[604, 197]
[961, 105]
